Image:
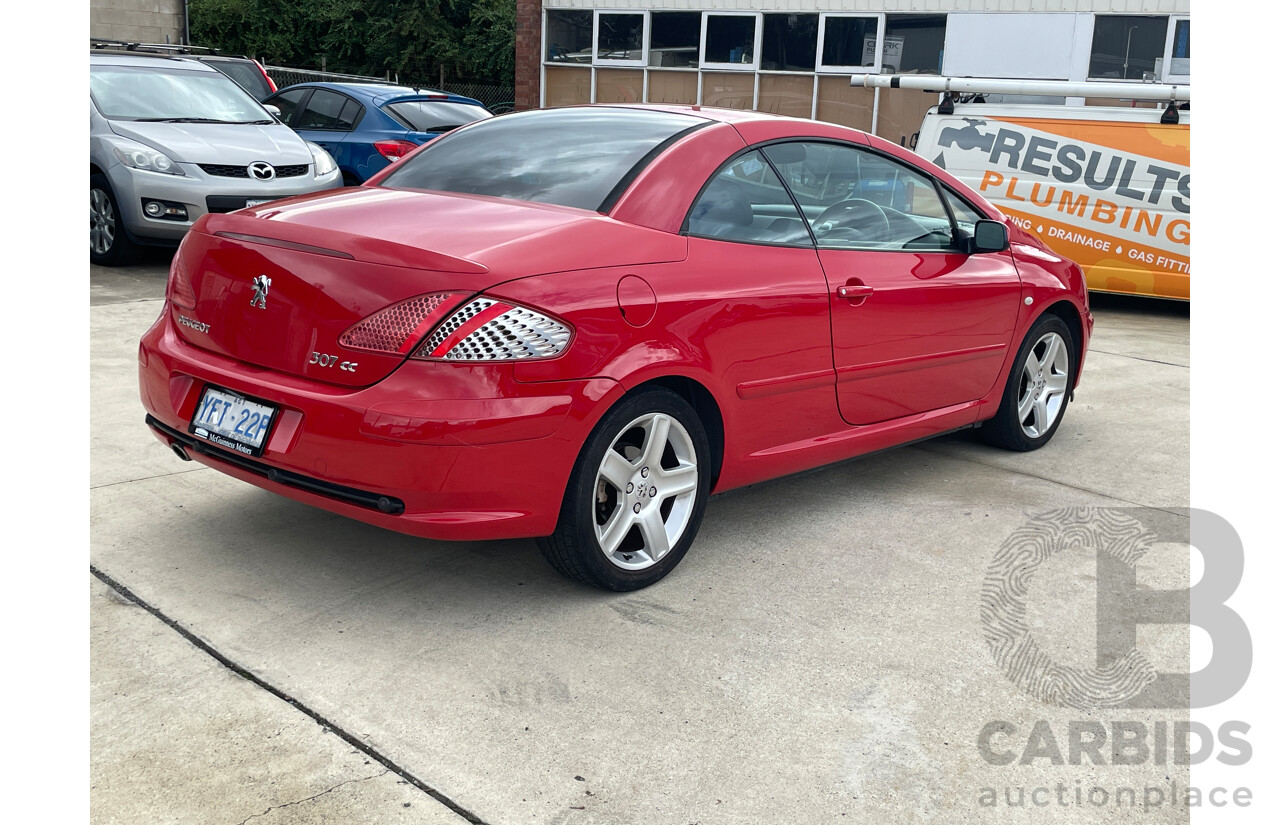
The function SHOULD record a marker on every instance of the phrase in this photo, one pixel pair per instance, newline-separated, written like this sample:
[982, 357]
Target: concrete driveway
[818, 657]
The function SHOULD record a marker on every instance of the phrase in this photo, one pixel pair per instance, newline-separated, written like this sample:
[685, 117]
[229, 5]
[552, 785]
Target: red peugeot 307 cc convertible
[576, 324]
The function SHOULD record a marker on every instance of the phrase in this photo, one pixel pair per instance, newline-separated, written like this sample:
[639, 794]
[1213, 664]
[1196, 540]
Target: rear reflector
[399, 327]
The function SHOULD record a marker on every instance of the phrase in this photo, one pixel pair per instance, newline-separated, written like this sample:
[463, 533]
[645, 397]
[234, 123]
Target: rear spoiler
[255, 226]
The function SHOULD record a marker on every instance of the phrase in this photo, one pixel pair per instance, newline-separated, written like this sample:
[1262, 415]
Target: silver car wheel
[102, 222]
[645, 491]
[1042, 390]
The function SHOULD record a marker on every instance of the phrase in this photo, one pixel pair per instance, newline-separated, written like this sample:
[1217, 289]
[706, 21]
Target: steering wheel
[858, 215]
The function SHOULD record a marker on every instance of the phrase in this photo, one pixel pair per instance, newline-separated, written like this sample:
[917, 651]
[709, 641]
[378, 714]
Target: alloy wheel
[102, 222]
[1042, 390]
[645, 491]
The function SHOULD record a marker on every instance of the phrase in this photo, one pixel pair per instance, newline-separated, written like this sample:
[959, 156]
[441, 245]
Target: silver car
[171, 139]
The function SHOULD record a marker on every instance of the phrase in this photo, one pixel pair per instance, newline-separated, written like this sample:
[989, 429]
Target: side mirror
[273, 109]
[989, 236]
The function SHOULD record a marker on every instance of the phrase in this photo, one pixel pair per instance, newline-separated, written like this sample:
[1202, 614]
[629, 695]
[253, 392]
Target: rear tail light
[180, 290]
[489, 330]
[263, 69]
[393, 150]
[399, 327]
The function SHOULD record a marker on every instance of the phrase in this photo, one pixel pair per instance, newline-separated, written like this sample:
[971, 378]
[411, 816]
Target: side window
[966, 216]
[287, 102]
[324, 111]
[350, 115]
[746, 202]
[855, 199]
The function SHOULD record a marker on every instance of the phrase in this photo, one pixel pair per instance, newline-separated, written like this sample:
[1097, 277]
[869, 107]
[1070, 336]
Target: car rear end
[367, 351]
[246, 71]
[423, 117]
[305, 366]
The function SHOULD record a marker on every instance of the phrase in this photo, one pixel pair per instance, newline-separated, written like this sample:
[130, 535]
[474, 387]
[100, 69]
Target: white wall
[1033, 46]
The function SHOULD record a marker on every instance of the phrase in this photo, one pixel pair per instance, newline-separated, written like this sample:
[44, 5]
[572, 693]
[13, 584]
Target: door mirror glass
[989, 236]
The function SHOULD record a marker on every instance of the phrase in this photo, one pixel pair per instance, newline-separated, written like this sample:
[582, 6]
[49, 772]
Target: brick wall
[143, 21]
[528, 52]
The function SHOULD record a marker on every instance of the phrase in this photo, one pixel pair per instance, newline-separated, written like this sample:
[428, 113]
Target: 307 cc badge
[329, 360]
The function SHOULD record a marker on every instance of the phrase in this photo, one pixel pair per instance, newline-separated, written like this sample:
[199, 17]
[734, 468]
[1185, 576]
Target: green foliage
[417, 39]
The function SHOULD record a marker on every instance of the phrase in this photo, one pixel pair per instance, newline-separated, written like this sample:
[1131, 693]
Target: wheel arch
[1070, 316]
[703, 403]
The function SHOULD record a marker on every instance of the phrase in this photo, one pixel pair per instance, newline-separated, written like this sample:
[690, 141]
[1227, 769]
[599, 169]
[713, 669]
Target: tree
[416, 39]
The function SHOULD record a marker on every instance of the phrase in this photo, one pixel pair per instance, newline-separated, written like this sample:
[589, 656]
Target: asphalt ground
[819, 656]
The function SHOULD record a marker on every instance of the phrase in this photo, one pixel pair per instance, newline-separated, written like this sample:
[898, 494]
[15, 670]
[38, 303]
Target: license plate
[230, 420]
[257, 202]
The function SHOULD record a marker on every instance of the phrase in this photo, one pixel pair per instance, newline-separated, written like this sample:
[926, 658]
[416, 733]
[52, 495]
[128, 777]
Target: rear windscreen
[571, 157]
[435, 115]
[246, 74]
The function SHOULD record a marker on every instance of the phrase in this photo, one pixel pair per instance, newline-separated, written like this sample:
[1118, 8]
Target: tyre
[109, 244]
[1039, 387]
[636, 497]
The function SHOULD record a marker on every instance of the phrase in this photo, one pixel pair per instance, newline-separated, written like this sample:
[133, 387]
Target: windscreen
[571, 157]
[436, 115]
[163, 94]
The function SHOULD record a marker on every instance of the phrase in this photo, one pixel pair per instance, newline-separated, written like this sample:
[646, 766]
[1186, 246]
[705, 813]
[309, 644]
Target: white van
[1108, 187]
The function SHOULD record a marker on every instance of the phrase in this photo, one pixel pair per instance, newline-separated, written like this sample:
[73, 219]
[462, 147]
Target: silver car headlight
[325, 163]
[139, 156]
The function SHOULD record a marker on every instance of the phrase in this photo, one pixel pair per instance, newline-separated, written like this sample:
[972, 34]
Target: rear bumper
[438, 450]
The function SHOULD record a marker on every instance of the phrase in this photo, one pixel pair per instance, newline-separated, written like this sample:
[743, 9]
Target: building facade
[139, 21]
[797, 57]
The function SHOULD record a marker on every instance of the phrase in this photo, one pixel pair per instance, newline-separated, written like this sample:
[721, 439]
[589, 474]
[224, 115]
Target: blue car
[366, 126]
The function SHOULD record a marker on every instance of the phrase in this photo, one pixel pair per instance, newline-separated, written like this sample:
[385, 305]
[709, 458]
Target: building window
[1126, 47]
[679, 88]
[797, 64]
[913, 43]
[786, 94]
[790, 42]
[619, 85]
[1177, 66]
[566, 86]
[674, 38]
[1182, 40]
[729, 40]
[619, 38]
[838, 102]
[729, 90]
[569, 36]
[850, 44]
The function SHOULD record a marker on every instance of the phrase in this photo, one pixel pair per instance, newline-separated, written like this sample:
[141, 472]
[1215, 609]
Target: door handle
[855, 294]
